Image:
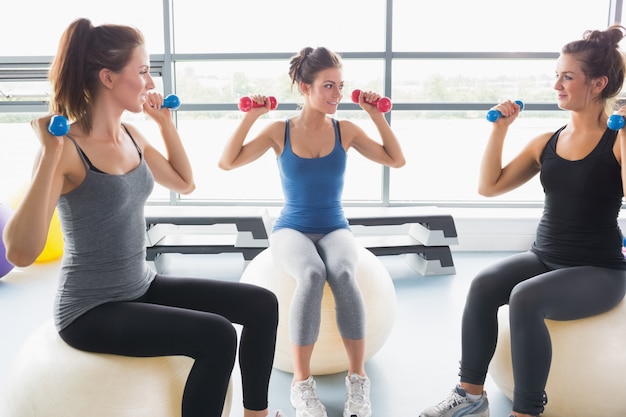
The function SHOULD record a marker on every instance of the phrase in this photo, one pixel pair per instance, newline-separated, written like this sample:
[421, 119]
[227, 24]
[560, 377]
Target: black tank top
[582, 203]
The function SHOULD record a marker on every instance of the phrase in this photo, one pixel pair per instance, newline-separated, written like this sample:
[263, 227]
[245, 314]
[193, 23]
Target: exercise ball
[588, 365]
[52, 379]
[329, 356]
[5, 214]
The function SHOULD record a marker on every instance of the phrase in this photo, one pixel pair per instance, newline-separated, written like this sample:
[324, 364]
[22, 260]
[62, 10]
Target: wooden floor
[416, 367]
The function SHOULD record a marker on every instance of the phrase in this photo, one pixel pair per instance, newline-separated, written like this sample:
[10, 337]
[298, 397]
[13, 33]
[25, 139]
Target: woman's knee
[524, 300]
[312, 280]
[484, 286]
[519, 300]
[345, 289]
[217, 336]
[263, 307]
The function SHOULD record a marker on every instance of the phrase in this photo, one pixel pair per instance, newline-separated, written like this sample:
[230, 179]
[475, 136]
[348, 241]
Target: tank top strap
[81, 153]
[337, 132]
[132, 138]
[607, 142]
[287, 137]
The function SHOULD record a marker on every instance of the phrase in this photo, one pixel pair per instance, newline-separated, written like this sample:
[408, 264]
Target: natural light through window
[443, 64]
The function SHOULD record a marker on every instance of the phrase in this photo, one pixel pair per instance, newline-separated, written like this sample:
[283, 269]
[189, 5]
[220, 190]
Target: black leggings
[534, 292]
[192, 317]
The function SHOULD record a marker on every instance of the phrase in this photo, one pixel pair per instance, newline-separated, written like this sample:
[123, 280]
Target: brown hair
[83, 51]
[599, 55]
[304, 66]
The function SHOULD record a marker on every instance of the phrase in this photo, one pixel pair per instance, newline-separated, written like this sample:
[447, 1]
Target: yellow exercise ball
[588, 364]
[50, 378]
[329, 356]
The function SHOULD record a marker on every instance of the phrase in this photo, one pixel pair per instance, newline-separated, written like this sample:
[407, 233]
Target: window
[488, 26]
[34, 28]
[443, 64]
[252, 26]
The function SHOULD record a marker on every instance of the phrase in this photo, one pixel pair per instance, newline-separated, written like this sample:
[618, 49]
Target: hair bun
[609, 38]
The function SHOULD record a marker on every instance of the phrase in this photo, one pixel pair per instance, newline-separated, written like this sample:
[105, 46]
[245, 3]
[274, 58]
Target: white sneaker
[357, 396]
[304, 399]
[458, 404]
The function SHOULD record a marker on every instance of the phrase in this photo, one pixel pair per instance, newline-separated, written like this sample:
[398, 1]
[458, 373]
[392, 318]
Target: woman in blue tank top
[311, 240]
[575, 267]
[99, 176]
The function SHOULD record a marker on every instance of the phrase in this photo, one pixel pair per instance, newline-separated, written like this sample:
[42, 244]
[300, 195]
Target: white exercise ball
[588, 365]
[329, 355]
[49, 378]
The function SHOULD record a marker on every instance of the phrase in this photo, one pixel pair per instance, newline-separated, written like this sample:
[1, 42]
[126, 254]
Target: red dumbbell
[246, 103]
[383, 104]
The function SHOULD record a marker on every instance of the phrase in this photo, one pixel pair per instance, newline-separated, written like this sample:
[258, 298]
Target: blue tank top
[104, 258]
[582, 203]
[312, 189]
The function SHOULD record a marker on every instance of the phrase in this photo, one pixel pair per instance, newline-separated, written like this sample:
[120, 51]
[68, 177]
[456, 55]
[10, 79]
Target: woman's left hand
[367, 101]
[153, 108]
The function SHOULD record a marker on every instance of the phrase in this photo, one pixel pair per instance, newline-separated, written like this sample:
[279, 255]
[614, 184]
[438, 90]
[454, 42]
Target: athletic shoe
[459, 405]
[357, 396]
[304, 399]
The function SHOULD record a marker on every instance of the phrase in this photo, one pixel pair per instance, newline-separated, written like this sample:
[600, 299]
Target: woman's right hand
[509, 111]
[263, 102]
[25, 234]
[48, 141]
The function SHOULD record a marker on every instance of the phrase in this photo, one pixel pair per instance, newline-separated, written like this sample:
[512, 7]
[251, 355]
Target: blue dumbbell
[171, 102]
[493, 115]
[59, 126]
[615, 122]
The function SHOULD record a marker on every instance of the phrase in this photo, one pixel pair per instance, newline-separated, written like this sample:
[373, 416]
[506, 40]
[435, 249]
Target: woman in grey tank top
[99, 176]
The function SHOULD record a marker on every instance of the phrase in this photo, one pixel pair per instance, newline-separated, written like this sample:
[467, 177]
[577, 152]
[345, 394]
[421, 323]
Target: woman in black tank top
[575, 267]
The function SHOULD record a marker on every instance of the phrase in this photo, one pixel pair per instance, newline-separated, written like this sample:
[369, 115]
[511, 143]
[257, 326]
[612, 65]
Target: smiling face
[574, 89]
[131, 84]
[326, 91]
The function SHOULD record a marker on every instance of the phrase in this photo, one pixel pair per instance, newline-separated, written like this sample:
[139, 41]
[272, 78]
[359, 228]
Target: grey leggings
[534, 292]
[313, 260]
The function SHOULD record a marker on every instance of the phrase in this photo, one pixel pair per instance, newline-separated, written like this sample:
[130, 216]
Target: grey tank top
[104, 256]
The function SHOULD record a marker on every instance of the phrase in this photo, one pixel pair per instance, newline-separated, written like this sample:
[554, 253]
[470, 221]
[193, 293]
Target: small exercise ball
[52, 379]
[588, 365]
[5, 214]
[55, 244]
[329, 356]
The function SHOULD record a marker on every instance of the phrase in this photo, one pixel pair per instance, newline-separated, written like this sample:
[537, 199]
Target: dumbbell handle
[59, 126]
[493, 115]
[246, 103]
[383, 104]
[615, 122]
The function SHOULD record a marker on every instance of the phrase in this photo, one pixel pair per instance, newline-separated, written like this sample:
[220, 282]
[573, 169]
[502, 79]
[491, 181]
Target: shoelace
[357, 390]
[309, 396]
[450, 402]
